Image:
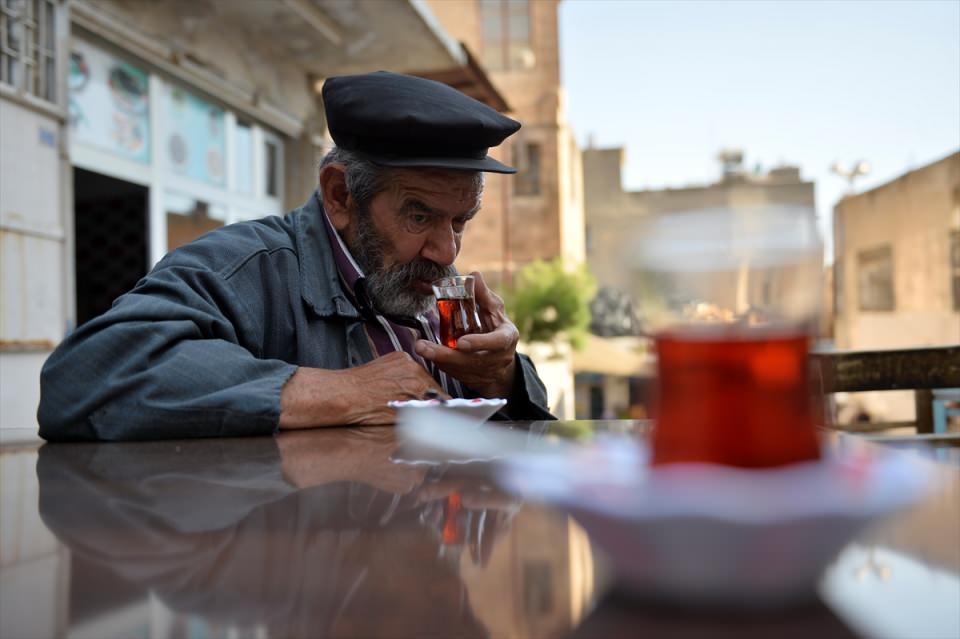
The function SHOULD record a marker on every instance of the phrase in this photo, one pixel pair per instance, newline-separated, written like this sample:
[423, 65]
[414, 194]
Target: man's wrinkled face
[410, 236]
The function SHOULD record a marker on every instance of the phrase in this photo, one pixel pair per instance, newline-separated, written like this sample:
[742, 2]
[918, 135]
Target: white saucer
[459, 411]
[702, 534]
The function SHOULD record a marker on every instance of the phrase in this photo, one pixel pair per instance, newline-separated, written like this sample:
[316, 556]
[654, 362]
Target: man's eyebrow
[418, 205]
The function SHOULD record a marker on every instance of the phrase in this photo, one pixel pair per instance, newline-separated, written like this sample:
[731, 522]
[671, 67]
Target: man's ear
[336, 197]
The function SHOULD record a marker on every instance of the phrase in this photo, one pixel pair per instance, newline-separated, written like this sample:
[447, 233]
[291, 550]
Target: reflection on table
[347, 532]
[310, 534]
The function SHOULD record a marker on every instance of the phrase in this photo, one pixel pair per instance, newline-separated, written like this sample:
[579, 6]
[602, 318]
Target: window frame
[503, 46]
[268, 137]
[527, 183]
[865, 257]
[33, 67]
[838, 287]
[954, 264]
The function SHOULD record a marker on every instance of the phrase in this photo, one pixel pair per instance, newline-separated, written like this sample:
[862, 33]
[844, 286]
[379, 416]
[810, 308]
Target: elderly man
[318, 318]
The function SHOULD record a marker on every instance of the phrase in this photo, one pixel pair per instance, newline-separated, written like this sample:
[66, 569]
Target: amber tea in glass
[734, 398]
[457, 308]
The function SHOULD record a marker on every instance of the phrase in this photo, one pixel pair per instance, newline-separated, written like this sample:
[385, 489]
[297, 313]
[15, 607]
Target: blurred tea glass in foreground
[731, 298]
[457, 308]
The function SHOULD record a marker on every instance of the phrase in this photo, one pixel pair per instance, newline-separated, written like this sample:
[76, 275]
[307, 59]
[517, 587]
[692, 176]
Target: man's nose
[442, 245]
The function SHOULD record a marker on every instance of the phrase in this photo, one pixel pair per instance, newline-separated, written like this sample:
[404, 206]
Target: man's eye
[419, 219]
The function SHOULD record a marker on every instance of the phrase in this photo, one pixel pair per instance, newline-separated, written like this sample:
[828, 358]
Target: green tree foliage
[548, 302]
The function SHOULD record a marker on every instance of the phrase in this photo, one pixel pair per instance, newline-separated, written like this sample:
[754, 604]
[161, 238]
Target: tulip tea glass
[731, 299]
[457, 308]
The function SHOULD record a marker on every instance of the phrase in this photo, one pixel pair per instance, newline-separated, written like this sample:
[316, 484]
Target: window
[505, 28]
[955, 267]
[838, 287]
[526, 159]
[188, 218]
[875, 279]
[270, 163]
[108, 100]
[243, 158]
[196, 137]
[28, 46]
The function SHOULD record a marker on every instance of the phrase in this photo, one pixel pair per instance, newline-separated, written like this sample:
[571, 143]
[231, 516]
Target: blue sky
[805, 83]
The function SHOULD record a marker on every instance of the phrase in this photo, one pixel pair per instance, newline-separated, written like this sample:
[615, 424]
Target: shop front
[155, 165]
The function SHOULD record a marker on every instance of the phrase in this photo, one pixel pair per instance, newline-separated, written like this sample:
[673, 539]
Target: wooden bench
[921, 370]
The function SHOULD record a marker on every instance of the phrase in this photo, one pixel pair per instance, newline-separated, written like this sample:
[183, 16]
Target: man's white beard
[391, 290]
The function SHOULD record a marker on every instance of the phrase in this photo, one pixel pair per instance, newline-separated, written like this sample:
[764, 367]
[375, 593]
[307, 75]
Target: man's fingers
[486, 298]
[449, 358]
[439, 353]
[397, 376]
[480, 290]
[503, 337]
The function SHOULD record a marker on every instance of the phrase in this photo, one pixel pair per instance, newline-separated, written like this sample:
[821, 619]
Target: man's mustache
[421, 268]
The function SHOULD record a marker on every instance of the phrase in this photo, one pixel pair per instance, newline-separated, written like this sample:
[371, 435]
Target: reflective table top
[348, 533]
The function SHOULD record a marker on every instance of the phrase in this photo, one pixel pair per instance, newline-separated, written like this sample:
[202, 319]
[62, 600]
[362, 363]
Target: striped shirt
[387, 334]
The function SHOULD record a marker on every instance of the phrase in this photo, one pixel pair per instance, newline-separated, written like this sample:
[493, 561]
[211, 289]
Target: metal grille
[111, 240]
[28, 46]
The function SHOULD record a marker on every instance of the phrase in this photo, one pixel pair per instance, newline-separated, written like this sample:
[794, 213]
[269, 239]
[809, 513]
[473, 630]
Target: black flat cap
[401, 120]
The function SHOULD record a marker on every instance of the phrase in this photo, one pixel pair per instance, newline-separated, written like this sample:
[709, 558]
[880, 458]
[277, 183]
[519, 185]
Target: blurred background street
[130, 127]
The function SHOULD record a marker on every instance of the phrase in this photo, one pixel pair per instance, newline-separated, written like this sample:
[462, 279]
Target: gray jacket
[202, 346]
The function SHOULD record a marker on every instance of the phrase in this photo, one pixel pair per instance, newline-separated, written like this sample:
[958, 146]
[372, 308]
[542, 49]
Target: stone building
[131, 127]
[540, 213]
[611, 211]
[896, 270]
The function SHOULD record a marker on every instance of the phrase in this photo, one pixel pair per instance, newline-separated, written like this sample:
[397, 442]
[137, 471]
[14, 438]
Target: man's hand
[347, 454]
[486, 361]
[319, 397]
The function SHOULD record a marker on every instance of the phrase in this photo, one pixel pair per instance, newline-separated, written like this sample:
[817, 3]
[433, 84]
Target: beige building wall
[35, 285]
[33, 268]
[914, 215]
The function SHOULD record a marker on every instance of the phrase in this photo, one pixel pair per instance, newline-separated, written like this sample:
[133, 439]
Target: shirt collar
[347, 267]
[320, 283]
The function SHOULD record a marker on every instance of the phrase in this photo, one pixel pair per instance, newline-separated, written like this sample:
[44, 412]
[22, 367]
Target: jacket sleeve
[528, 399]
[168, 360]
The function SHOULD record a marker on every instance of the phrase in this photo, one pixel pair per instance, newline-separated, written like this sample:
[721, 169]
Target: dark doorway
[110, 224]
[596, 402]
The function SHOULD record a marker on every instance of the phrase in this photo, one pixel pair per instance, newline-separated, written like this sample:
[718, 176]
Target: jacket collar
[320, 284]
